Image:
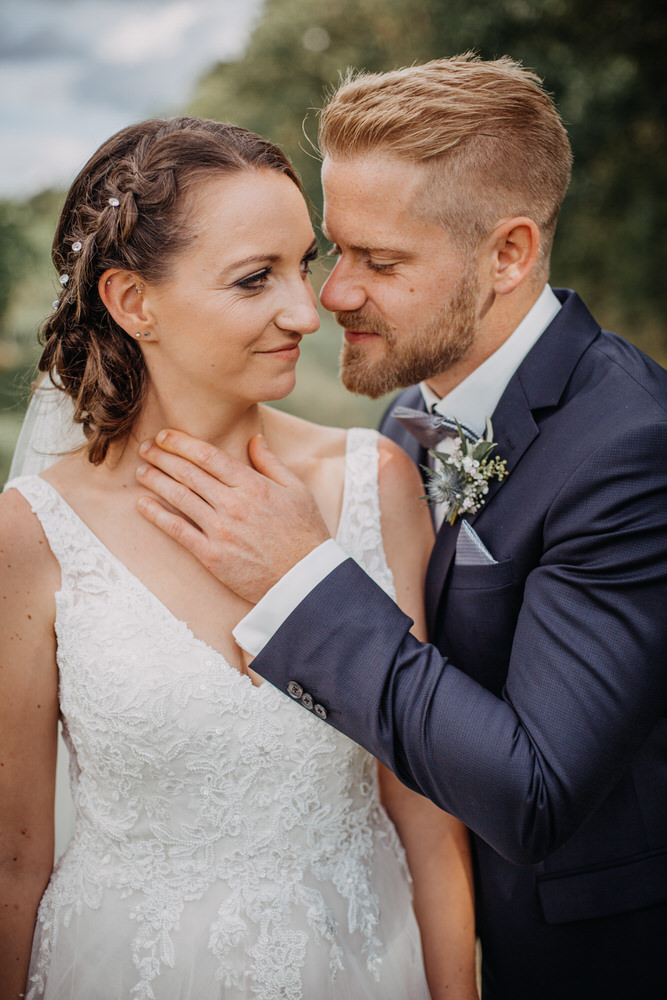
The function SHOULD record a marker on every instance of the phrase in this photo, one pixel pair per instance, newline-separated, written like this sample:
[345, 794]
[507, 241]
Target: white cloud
[74, 71]
[140, 35]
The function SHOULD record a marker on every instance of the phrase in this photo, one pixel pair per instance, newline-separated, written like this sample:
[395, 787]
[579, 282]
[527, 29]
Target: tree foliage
[602, 62]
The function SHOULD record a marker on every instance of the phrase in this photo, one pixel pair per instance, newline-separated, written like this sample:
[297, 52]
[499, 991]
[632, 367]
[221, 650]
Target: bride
[226, 844]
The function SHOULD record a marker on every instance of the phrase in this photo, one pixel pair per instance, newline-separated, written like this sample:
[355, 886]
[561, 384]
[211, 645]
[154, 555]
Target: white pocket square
[470, 549]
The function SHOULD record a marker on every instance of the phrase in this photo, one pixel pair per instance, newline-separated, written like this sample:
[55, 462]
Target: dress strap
[360, 531]
[68, 537]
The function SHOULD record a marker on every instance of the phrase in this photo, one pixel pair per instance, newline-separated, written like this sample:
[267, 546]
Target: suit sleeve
[586, 681]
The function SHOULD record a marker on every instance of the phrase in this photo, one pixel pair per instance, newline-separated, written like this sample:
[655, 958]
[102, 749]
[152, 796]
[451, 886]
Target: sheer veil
[48, 433]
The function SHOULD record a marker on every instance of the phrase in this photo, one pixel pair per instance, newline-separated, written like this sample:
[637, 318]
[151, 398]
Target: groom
[538, 714]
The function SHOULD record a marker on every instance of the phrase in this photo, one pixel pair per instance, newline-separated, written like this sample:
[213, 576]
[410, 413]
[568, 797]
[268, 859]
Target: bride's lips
[287, 351]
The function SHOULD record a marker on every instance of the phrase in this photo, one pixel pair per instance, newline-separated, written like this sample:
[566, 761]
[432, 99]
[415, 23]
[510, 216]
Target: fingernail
[262, 441]
[144, 447]
[161, 437]
[142, 470]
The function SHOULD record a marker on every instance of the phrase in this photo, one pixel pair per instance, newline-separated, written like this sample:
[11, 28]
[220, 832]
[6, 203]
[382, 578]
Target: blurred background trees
[602, 62]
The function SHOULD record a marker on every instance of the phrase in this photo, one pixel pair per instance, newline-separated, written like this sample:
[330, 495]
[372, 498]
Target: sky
[73, 72]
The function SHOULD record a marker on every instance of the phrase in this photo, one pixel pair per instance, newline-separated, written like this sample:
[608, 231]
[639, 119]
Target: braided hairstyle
[127, 209]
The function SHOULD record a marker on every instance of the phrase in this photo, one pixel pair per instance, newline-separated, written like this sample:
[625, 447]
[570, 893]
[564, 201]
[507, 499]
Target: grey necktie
[429, 428]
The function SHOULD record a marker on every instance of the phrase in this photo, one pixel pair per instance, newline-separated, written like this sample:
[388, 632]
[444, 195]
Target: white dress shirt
[471, 401]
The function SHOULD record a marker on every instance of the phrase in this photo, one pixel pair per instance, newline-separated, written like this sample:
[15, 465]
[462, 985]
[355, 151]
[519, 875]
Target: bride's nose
[299, 311]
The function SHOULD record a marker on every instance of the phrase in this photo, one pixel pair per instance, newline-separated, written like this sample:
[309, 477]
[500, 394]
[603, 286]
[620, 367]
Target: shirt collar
[477, 396]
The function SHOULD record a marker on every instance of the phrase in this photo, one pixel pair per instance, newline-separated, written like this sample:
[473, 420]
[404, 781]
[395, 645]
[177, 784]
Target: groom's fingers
[176, 527]
[222, 466]
[182, 497]
[254, 523]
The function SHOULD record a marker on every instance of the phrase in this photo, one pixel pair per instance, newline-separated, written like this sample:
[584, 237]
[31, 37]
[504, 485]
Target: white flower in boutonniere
[460, 480]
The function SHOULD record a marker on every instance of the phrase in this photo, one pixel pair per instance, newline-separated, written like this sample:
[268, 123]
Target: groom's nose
[343, 291]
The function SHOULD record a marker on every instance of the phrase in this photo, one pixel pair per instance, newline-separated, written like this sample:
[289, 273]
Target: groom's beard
[411, 356]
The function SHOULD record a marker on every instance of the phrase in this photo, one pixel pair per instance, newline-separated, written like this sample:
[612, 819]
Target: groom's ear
[514, 246]
[121, 293]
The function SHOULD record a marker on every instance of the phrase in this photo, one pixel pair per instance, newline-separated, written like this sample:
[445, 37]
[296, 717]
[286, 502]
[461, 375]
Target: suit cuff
[260, 625]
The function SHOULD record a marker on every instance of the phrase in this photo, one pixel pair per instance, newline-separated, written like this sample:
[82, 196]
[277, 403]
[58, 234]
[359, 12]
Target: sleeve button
[294, 690]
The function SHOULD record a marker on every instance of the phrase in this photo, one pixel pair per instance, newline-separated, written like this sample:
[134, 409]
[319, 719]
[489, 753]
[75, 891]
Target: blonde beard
[409, 359]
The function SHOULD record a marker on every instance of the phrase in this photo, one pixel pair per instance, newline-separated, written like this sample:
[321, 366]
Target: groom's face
[407, 298]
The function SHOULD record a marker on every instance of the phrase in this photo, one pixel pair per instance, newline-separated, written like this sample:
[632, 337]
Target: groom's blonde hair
[488, 135]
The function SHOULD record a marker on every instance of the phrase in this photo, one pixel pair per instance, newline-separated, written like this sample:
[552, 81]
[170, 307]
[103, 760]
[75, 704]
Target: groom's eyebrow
[370, 249]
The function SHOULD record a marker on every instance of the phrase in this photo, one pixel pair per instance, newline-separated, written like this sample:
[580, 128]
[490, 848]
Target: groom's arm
[586, 682]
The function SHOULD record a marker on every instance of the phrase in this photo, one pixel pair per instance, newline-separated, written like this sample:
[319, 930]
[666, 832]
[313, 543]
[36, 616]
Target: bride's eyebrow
[267, 258]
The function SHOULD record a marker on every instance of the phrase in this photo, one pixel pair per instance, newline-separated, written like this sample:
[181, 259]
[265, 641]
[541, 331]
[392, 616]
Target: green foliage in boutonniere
[460, 480]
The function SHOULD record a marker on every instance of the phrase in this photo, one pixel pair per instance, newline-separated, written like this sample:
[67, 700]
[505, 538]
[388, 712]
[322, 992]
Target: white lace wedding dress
[228, 844]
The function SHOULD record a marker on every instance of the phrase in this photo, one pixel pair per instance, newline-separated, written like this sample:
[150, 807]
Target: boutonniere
[460, 479]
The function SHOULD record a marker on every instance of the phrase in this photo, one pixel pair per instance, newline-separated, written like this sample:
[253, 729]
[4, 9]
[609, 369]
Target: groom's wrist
[260, 625]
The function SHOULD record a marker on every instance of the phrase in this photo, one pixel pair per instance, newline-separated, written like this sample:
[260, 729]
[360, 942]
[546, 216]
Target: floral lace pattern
[207, 806]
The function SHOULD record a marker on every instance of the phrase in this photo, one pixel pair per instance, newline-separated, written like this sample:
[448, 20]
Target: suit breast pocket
[486, 577]
[477, 618]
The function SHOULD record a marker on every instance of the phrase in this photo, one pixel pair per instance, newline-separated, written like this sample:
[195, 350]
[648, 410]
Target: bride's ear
[121, 293]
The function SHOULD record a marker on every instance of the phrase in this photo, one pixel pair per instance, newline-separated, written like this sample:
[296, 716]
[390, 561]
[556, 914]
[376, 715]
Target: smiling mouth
[291, 349]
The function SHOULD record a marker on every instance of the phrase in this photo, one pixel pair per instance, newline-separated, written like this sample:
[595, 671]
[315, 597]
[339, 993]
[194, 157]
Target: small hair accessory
[77, 246]
[114, 202]
[63, 279]
[55, 303]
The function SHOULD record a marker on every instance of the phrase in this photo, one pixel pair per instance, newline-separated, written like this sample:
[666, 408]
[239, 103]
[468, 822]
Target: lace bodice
[199, 793]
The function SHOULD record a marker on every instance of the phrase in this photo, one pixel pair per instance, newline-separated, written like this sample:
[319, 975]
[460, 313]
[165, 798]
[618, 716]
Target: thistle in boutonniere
[460, 480]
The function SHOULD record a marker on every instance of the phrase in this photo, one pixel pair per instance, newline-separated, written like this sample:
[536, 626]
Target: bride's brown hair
[127, 209]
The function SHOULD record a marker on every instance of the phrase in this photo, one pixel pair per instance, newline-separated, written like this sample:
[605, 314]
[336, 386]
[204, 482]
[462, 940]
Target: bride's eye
[256, 281]
[309, 259]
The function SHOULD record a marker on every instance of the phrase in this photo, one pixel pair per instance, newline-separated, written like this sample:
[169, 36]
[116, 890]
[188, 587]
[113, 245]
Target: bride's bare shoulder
[296, 440]
[25, 555]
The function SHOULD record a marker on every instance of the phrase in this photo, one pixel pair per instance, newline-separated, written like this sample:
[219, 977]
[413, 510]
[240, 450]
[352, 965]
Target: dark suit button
[307, 701]
[320, 710]
[294, 690]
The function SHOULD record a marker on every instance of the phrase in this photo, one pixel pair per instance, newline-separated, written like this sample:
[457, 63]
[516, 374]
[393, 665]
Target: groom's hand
[247, 526]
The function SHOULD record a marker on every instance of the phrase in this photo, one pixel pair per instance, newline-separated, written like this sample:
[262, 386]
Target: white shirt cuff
[254, 631]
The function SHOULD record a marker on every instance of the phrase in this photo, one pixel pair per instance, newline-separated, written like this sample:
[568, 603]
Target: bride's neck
[226, 426]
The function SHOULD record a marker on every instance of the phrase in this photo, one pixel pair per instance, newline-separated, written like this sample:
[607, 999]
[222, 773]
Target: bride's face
[227, 322]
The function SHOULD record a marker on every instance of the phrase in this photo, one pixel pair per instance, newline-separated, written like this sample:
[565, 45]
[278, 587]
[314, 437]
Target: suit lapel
[538, 384]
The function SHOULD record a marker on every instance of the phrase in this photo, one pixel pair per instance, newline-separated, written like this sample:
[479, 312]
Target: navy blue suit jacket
[538, 714]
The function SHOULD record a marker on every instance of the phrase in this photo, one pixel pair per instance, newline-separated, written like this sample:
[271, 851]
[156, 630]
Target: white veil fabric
[49, 432]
